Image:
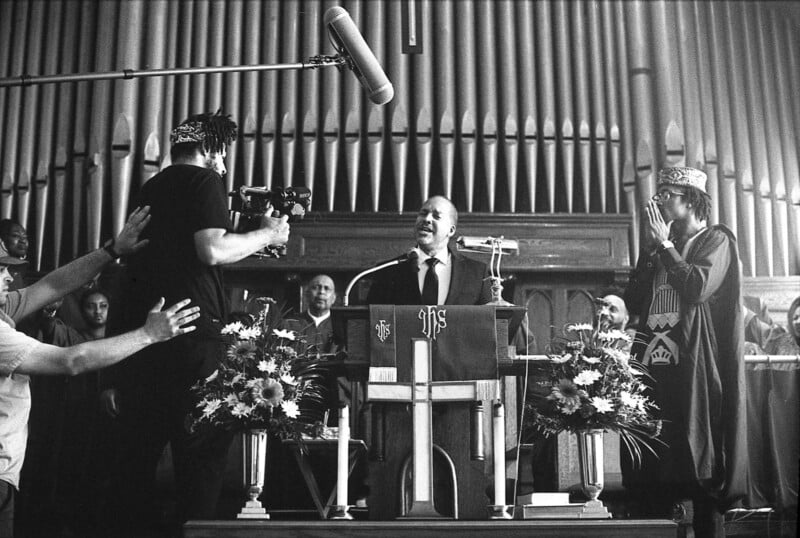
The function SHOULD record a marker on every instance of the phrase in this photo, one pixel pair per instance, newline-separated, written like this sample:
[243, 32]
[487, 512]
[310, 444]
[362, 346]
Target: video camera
[250, 204]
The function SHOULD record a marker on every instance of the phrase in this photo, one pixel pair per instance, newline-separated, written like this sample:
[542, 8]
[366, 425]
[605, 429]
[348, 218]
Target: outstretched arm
[70, 277]
[160, 325]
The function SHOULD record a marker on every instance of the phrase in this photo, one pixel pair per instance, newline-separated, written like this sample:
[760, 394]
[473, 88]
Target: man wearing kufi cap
[190, 238]
[686, 288]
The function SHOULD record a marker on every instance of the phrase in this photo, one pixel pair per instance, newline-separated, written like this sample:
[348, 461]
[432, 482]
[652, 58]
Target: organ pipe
[524, 106]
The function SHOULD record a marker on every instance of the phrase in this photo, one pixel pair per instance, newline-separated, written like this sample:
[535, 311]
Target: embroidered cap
[213, 131]
[683, 176]
[188, 132]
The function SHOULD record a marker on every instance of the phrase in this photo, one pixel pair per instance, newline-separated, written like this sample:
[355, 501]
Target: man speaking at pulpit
[433, 273]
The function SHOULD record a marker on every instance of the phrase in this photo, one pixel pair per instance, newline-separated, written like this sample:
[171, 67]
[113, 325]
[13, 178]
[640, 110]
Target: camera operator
[190, 238]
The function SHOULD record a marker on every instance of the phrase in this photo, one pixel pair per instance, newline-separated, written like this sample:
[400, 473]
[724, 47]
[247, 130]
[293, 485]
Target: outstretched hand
[165, 324]
[127, 242]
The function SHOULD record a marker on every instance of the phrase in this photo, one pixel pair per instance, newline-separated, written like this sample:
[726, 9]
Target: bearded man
[191, 237]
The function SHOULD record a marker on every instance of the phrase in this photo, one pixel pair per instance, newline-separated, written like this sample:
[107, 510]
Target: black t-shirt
[183, 199]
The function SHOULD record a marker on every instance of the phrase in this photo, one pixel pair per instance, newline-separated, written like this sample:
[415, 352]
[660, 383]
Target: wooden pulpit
[429, 376]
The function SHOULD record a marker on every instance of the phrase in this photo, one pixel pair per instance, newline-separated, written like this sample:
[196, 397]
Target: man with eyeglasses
[686, 288]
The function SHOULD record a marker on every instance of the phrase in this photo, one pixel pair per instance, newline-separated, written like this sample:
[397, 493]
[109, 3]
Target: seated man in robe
[314, 324]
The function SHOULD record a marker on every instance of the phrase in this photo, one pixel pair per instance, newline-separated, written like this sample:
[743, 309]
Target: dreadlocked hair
[220, 130]
[701, 202]
[208, 132]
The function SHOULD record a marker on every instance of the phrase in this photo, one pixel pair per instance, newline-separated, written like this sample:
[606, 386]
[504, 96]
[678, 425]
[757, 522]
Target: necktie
[430, 286]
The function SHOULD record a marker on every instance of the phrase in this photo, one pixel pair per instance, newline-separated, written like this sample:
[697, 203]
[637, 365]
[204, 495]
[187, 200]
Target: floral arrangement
[261, 381]
[594, 384]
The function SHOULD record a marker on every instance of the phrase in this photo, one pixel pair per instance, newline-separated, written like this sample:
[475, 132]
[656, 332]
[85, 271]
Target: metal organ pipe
[578, 103]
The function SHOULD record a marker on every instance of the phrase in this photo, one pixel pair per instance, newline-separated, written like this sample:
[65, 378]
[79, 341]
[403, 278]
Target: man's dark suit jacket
[399, 284]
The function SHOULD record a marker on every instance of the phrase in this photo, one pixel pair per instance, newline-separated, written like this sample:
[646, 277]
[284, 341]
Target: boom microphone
[349, 42]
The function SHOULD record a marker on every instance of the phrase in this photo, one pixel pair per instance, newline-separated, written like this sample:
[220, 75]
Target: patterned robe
[692, 339]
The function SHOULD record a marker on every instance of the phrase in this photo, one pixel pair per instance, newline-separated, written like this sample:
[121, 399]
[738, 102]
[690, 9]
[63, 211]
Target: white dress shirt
[444, 270]
[320, 319]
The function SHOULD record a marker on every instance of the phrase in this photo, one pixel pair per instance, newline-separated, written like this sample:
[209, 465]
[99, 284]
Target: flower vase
[590, 454]
[254, 462]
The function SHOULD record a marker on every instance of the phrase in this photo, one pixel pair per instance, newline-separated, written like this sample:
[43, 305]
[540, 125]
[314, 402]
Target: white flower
[628, 399]
[289, 351]
[617, 354]
[614, 334]
[289, 379]
[241, 410]
[590, 360]
[575, 327]
[231, 400]
[603, 405]
[291, 409]
[587, 377]
[232, 328]
[289, 335]
[213, 376]
[249, 333]
[267, 366]
[210, 407]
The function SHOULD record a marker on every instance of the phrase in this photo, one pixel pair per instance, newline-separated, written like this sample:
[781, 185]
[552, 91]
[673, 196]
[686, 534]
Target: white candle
[343, 456]
[499, 438]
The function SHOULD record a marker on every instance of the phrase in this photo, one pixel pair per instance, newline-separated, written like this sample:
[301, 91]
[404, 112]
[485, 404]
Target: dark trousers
[65, 462]
[7, 494]
[154, 409]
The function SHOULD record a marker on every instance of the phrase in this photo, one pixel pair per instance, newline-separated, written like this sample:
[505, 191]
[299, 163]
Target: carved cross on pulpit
[421, 393]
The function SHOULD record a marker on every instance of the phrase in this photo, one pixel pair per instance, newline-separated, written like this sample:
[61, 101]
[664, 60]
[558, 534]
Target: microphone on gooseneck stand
[348, 42]
[410, 256]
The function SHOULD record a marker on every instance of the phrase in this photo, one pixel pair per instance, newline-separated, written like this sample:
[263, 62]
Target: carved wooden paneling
[558, 302]
[540, 316]
[547, 243]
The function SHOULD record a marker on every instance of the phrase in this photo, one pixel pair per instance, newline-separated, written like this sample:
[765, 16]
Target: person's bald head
[435, 225]
[320, 295]
[616, 311]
